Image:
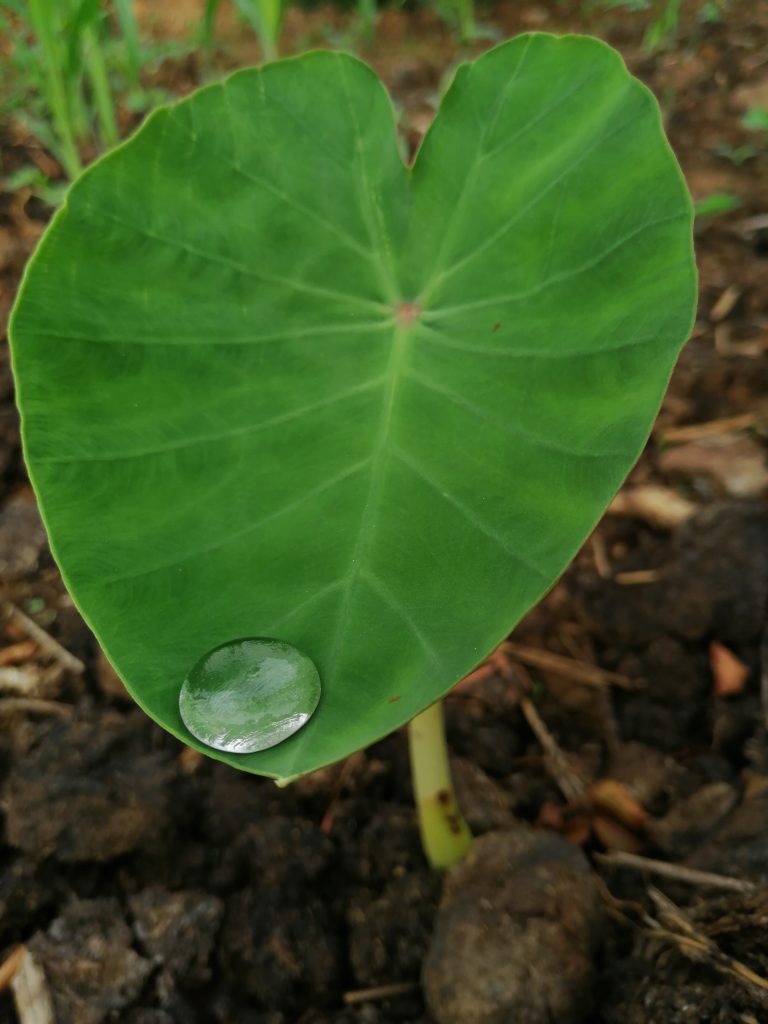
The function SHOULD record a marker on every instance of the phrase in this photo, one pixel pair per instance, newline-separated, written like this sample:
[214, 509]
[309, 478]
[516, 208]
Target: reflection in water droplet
[248, 695]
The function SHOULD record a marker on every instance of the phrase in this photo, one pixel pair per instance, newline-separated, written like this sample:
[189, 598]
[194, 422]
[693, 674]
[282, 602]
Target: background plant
[72, 65]
[265, 17]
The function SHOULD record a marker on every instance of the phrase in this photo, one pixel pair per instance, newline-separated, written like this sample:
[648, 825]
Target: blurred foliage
[77, 74]
[665, 21]
[717, 203]
[71, 65]
[756, 120]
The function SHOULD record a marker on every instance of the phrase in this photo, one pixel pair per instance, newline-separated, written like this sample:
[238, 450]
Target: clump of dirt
[107, 795]
[105, 975]
[517, 932]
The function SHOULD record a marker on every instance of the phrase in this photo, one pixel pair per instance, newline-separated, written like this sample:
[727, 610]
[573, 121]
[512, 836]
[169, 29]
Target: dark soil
[154, 886]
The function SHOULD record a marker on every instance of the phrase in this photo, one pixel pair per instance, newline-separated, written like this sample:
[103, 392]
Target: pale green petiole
[445, 834]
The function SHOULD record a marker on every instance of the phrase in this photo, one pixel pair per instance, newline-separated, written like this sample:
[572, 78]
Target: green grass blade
[43, 18]
[265, 18]
[129, 30]
[208, 23]
[102, 93]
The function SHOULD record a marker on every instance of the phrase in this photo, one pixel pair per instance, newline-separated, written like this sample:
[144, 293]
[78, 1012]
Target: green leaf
[274, 383]
[716, 203]
[755, 120]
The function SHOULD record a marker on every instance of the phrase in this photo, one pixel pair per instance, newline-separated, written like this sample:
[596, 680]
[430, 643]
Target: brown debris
[31, 994]
[570, 668]
[379, 992]
[712, 428]
[638, 577]
[730, 674]
[660, 506]
[52, 648]
[736, 462]
[18, 653]
[675, 872]
[725, 303]
[109, 682]
[615, 799]
[673, 925]
[558, 764]
[614, 836]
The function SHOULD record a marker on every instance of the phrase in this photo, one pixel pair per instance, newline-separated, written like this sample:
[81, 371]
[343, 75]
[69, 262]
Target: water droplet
[248, 695]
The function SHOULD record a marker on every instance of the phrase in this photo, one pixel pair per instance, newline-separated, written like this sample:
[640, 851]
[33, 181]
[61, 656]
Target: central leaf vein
[394, 374]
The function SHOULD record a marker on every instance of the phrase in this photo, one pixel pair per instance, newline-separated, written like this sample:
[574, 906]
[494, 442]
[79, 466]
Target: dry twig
[45, 641]
[637, 577]
[712, 428]
[725, 303]
[676, 872]
[557, 762]
[569, 668]
[367, 995]
[600, 555]
[36, 706]
[661, 506]
[675, 927]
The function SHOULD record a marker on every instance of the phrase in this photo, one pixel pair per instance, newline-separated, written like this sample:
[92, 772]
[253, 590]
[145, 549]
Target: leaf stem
[445, 834]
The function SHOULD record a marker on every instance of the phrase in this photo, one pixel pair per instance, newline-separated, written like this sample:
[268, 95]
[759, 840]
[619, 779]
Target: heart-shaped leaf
[274, 383]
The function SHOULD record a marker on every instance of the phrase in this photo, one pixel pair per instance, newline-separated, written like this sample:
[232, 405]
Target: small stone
[516, 934]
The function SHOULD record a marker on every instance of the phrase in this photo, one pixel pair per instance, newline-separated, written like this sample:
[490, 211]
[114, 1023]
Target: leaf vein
[193, 442]
[468, 514]
[533, 202]
[514, 430]
[378, 586]
[566, 275]
[241, 268]
[292, 506]
[249, 339]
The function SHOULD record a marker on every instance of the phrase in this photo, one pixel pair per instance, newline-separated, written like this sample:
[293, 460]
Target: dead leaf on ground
[725, 303]
[753, 95]
[615, 799]
[615, 837]
[729, 672]
[659, 506]
[735, 461]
